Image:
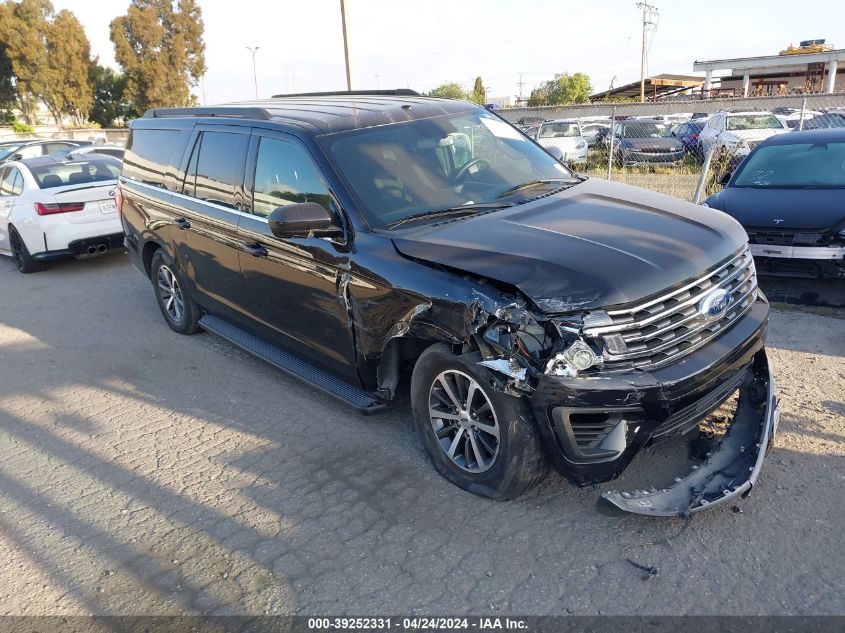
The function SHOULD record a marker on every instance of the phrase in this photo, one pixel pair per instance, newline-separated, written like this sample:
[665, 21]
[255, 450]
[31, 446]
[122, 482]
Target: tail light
[693, 136]
[118, 202]
[61, 207]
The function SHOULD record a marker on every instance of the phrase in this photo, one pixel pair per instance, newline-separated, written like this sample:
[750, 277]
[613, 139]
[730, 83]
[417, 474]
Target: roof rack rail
[238, 113]
[398, 92]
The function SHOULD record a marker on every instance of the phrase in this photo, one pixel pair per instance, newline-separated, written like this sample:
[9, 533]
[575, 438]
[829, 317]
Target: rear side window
[216, 170]
[148, 154]
[79, 172]
[284, 174]
[12, 182]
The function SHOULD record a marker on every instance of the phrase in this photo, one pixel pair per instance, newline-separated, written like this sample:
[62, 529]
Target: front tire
[174, 301]
[23, 260]
[477, 437]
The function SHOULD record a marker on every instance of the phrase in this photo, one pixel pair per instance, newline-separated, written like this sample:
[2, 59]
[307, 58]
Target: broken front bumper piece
[730, 471]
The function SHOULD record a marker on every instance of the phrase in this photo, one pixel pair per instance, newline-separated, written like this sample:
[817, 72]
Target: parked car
[540, 316]
[54, 207]
[594, 132]
[788, 195]
[688, 133]
[645, 142]
[528, 121]
[826, 121]
[109, 150]
[732, 135]
[19, 150]
[564, 134]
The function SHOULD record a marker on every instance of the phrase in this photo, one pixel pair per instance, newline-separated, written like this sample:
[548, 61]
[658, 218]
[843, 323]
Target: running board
[362, 400]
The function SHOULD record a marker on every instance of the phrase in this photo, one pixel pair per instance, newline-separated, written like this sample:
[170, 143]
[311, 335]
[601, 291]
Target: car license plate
[108, 206]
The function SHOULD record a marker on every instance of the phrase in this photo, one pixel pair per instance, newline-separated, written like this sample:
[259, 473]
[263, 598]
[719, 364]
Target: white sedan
[57, 206]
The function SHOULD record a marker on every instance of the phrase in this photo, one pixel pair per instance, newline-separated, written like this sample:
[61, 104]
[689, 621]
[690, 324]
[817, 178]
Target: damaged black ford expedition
[542, 317]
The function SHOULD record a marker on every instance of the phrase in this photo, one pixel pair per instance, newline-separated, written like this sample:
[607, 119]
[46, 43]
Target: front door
[294, 288]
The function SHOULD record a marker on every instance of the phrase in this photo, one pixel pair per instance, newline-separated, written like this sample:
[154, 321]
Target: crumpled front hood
[783, 208]
[595, 245]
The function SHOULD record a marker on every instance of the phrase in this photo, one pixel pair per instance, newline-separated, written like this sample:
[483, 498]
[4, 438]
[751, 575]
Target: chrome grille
[659, 331]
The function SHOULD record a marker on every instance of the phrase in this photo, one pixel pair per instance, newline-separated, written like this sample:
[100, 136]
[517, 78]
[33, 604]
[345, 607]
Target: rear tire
[179, 310]
[483, 440]
[24, 261]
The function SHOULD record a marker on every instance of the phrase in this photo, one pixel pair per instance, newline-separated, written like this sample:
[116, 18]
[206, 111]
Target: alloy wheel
[463, 421]
[17, 249]
[171, 293]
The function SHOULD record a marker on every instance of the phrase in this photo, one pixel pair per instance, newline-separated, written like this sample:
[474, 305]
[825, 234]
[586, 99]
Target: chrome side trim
[798, 252]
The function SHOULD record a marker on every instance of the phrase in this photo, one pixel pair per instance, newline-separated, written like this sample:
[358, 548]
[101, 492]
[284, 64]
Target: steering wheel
[463, 171]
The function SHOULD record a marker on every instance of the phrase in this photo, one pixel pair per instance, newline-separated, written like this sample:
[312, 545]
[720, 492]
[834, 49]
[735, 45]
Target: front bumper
[671, 399]
[631, 158]
[823, 253]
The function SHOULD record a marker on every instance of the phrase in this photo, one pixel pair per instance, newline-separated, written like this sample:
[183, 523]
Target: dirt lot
[145, 472]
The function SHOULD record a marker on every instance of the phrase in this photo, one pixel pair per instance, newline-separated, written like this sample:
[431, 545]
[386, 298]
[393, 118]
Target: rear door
[11, 186]
[294, 288]
[212, 203]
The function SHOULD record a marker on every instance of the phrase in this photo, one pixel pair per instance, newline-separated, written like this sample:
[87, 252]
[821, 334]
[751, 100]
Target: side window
[217, 168]
[148, 154]
[31, 151]
[11, 182]
[285, 174]
[50, 148]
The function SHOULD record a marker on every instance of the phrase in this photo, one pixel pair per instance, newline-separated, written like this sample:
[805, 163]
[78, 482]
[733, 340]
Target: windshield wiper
[540, 181]
[464, 209]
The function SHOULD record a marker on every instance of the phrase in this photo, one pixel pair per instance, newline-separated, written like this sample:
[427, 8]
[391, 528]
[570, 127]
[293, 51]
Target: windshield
[794, 166]
[417, 167]
[76, 172]
[753, 122]
[646, 130]
[558, 130]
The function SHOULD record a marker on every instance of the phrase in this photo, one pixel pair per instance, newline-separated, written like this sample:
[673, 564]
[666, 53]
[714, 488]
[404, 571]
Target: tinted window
[148, 154]
[216, 171]
[284, 174]
[78, 172]
[795, 165]
[12, 183]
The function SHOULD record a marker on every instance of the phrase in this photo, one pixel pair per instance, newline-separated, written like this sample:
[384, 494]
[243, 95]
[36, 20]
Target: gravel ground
[143, 472]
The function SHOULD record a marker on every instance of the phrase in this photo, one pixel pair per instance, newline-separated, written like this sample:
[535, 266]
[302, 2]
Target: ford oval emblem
[714, 305]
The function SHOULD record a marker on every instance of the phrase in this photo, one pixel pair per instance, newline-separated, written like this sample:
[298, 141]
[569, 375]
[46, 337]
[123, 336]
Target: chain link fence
[683, 148]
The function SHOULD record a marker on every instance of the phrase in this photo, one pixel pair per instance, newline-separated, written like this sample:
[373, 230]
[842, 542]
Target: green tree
[25, 38]
[450, 90]
[478, 94]
[65, 86]
[564, 89]
[110, 104]
[159, 44]
[7, 75]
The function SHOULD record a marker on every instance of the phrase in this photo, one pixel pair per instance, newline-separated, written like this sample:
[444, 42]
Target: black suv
[350, 238]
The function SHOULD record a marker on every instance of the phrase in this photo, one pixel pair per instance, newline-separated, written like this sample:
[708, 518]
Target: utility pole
[253, 49]
[378, 81]
[649, 20]
[345, 44]
[521, 84]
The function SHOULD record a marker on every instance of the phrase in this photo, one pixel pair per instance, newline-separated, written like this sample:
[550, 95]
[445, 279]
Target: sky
[422, 43]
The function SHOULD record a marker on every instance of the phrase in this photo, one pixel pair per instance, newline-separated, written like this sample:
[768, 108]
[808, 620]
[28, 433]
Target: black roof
[835, 135]
[327, 114]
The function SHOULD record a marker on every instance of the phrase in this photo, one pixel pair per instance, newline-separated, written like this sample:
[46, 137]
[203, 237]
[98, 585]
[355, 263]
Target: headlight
[576, 358]
[704, 204]
[581, 145]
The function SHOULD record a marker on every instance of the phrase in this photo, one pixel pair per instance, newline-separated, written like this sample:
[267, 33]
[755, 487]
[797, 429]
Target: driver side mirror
[303, 219]
[725, 179]
[555, 152]
[16, 157]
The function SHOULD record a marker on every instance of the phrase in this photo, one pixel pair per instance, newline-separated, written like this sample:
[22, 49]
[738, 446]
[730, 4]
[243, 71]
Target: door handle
[254, 249]
[182, 223]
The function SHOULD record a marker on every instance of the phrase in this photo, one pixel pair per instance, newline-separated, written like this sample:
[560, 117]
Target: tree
[65, 86]
[48, 59]
[450, 90]
[161, 51]
[110, 103]
[564, 89]
[478, 94]
[7, 75]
